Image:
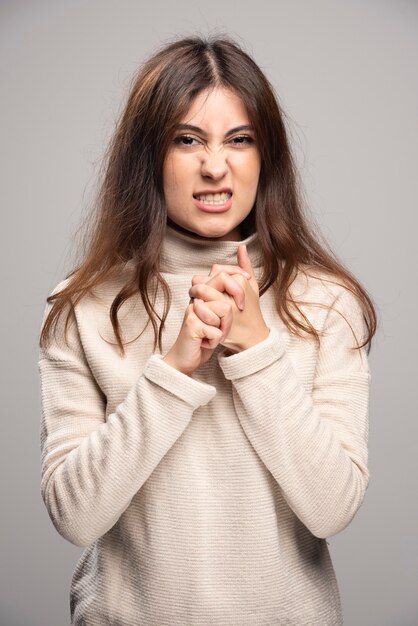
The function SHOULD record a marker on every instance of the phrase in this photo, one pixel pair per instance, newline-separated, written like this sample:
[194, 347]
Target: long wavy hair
[129, 216]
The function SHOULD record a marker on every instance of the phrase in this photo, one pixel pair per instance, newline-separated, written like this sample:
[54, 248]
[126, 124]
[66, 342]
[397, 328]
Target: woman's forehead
[216, 109]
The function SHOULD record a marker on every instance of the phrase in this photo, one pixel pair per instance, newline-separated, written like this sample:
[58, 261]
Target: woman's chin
[213, 232]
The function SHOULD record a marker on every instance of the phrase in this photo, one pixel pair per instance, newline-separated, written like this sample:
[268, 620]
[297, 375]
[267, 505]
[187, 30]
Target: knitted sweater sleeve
[91, 467]
[313, 443]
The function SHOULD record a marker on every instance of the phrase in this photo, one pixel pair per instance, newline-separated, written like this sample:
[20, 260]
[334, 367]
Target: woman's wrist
[172, 362]
[248, 342]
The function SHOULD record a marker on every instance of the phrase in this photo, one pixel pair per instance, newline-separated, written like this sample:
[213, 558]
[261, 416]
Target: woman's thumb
[244, 260]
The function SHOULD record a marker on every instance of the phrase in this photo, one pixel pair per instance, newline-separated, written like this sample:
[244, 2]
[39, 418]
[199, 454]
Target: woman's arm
[314, 445]
[92, 466]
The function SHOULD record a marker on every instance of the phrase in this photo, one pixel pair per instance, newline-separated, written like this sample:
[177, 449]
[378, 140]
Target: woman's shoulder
[90, 309]
[317, 283]
[104, 291]
[329, 302]
[324, 297]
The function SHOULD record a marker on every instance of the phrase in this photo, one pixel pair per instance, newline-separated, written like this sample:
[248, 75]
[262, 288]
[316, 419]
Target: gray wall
[346, 74]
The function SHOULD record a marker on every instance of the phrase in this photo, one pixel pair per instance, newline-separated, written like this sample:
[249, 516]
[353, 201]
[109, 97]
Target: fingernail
[248, 275]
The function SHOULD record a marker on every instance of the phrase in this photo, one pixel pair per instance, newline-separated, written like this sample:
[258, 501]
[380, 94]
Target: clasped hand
[224, 309]
[229, 299]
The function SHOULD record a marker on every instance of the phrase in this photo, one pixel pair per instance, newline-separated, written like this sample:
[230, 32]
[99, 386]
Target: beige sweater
[205, 499]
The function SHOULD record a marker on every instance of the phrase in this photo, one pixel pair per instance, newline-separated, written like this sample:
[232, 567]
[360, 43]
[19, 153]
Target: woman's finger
[212, 336]
[227, 269]
[206, 313]
[230, 269]
[214, 288]
[221, 309]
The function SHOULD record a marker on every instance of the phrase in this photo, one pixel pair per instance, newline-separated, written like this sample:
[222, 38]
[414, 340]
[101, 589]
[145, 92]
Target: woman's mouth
[214, 202]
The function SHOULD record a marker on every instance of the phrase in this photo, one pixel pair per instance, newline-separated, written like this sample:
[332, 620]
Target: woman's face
[213, 156]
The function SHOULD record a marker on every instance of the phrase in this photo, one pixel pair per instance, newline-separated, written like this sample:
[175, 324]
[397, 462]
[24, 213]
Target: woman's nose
[214, 165]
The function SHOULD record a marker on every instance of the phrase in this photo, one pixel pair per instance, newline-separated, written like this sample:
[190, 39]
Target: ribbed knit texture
[205, 499]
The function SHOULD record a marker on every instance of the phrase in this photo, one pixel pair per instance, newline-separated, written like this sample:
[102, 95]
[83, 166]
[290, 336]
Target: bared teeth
[214, 198]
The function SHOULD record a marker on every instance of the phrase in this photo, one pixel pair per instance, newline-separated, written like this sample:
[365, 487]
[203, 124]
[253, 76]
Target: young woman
[204, 368]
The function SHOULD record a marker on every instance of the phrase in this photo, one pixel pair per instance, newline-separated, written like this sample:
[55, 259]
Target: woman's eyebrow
[196, 129]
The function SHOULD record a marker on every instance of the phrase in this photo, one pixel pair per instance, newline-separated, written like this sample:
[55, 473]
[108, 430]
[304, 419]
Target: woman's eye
[184, 140]
[243, 139]
[187, 140]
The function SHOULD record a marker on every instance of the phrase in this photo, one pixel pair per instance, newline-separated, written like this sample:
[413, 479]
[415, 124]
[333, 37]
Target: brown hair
[129, 217]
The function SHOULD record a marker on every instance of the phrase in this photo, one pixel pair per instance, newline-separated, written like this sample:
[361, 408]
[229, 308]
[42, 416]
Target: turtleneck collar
[184, 253]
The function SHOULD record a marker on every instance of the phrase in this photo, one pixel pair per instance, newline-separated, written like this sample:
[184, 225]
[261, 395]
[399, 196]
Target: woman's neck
[235, 235]
[183, 252]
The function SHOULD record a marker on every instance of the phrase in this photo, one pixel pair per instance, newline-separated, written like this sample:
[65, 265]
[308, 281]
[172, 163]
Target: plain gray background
[346, 74]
